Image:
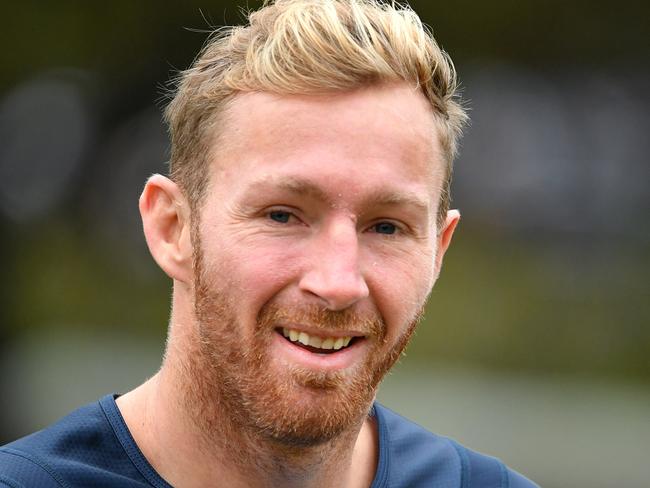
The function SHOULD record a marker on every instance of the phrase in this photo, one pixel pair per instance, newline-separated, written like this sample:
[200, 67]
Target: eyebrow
[298, 186]
[392, 198]
[380, 196]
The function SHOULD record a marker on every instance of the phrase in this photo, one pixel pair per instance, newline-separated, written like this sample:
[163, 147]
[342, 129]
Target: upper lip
[319, 332]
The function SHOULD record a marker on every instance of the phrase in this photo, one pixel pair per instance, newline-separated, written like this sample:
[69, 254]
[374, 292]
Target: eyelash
[398, 229]
[289, 214]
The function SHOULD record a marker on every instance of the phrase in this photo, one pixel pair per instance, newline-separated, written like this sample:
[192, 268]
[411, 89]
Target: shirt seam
[383, 463]
[119, 427]
[10, 483]
[505, 478]
[465, 478]
[37, 462]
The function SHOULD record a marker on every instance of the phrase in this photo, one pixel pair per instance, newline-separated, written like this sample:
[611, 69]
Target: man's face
[318, 228]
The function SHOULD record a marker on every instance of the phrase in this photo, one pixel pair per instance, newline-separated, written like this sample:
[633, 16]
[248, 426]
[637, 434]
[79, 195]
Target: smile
[328, 352]
[324, 343]
[319, 345]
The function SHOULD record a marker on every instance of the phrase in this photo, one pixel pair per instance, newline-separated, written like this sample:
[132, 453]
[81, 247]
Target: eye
[280, 216]
[385, 228]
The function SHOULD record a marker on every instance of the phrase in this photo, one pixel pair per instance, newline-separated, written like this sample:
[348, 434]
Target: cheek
[400, 287]
[253, 272]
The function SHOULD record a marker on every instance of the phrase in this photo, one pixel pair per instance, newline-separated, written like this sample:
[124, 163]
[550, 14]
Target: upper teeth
[315, 341]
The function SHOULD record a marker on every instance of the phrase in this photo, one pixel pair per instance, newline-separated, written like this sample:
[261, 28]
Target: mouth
[325, 345]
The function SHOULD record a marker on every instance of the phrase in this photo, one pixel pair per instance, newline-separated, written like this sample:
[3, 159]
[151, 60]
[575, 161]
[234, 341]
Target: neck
[190, 446]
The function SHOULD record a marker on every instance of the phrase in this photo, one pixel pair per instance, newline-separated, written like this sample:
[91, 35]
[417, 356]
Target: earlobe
[444, 238]
[166, 224]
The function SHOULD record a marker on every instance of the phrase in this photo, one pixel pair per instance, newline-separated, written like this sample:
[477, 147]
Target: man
[304, 224]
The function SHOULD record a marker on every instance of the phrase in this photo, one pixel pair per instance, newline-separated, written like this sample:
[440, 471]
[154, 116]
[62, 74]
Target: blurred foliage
[62, 277]
[127, 41]
[502, 301]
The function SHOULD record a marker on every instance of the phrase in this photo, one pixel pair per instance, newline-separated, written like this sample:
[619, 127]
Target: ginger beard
[234, 376]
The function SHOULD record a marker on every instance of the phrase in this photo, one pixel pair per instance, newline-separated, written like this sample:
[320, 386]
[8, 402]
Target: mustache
[316, 317]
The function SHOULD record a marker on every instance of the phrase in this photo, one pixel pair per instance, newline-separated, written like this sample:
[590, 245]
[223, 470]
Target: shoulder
[34, 460]
[21, 470]
[412, 456]
[70, 452]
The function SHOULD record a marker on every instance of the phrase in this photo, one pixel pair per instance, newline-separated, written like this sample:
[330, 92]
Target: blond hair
[309, 46]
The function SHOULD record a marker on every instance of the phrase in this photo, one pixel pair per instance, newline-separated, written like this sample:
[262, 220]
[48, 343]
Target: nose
[334, 274]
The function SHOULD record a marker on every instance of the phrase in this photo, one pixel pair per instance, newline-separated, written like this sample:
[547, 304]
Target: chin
[311, 422]
[312, 408]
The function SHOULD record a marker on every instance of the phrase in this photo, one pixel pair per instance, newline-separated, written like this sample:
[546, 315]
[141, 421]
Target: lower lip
[343, 358]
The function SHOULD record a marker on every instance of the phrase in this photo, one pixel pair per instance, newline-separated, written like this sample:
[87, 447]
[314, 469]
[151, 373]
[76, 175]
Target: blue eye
[385, 228]
[280, 216]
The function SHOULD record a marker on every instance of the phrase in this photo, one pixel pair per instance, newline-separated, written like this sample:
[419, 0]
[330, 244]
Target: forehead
[371, 136]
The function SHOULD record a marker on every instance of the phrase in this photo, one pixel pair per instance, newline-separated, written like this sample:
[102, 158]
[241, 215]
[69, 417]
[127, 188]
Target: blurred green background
[536, 343]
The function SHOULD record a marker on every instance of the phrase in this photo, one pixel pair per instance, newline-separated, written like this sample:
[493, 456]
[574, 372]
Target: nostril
[337, 290]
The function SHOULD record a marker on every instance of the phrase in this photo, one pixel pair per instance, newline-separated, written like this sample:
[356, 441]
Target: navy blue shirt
[92, 447]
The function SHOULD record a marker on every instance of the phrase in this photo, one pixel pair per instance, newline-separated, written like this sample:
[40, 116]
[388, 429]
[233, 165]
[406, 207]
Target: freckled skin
[350, 144]
[331, 205]
[321, 211]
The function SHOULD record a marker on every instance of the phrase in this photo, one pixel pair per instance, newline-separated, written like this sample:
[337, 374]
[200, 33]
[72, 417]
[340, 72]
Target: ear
[166, 222]
[444, 238]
